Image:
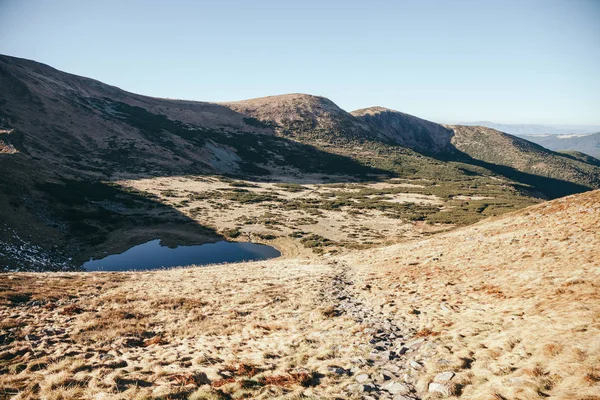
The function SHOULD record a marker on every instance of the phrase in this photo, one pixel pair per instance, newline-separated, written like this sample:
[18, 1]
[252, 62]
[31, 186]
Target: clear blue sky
[510, 61]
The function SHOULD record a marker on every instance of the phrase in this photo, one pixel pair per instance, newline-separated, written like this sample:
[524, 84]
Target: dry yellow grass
[510, 306]
[514, 301]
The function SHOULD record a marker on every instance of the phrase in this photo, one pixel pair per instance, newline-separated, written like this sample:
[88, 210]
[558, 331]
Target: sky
[508, 61]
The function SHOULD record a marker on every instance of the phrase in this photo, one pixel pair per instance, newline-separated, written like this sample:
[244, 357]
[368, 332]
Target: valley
[504, 308]
[418, 260]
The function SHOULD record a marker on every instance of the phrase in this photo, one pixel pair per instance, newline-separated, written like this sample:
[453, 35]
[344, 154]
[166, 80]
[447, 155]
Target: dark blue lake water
[151, 255]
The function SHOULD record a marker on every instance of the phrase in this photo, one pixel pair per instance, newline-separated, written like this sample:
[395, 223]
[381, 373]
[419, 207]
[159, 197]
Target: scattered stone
[393, 369]
[444, 377]
[415, 364]
[396, 388]
[338, 371]
[360, 388]
[414, 343]
[362, 378]
[386, 375]
[435, 387]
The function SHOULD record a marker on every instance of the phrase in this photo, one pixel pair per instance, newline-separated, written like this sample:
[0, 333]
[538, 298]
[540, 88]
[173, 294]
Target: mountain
[406, 130]
[498, 148]
[70, 126]
[306, 117]
[56, 118]
[66, 139]
[532, 129]
[585, 143]
[376, 135]
[502, 153]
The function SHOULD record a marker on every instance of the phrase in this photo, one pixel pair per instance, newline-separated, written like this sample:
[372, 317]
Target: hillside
[306, 117]
[64, 138]
[505, 308]
[498, 148]
[55, 118]
[498, 152]
[584, 143]
[408, 131]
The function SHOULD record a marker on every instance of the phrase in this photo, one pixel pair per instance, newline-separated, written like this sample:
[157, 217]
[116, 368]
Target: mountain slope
[504, 309]
[408, 131]
[499, 152]
[498, 148]
[510, 305]
[588, 143]
[307, 117]
[57, 118]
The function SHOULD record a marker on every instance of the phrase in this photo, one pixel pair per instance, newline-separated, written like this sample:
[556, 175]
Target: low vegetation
[505, 308]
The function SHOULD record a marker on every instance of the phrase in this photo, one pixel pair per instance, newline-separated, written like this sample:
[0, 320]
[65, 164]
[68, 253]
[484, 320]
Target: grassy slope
[510, 305]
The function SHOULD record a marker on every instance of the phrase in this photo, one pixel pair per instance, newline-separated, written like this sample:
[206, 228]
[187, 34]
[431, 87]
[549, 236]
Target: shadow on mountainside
[534, 185]
[48, 225]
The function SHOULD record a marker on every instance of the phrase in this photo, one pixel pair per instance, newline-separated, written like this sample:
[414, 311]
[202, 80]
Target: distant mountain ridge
[535, 129]
[585, 143]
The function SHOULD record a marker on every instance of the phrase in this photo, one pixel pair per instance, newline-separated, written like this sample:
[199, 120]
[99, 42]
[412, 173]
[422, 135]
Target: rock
[393, 369]
[384, 355]
[402, 397]
[415, 364]
[360, 388]
[396, 388]
[443, 377]
[435, 387]
[381, 346]
[360, 378]
[386, 375]
[445, 308]
[338, 371]
[414, 343]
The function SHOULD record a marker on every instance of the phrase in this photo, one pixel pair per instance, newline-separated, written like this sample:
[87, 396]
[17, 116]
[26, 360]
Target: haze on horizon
[510, 62]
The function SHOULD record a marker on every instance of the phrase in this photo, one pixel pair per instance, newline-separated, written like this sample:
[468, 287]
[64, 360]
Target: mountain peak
[374, 110]
[283, 106]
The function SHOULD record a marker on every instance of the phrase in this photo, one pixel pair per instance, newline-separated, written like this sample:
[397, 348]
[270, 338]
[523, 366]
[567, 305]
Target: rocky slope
[482, 146]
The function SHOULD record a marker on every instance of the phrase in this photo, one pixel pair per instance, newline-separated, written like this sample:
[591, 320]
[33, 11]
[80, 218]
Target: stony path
[388, 372]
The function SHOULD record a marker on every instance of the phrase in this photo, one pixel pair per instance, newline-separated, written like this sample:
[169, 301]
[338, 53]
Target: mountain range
[64, 138]
[571, 144]
[536, 129]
